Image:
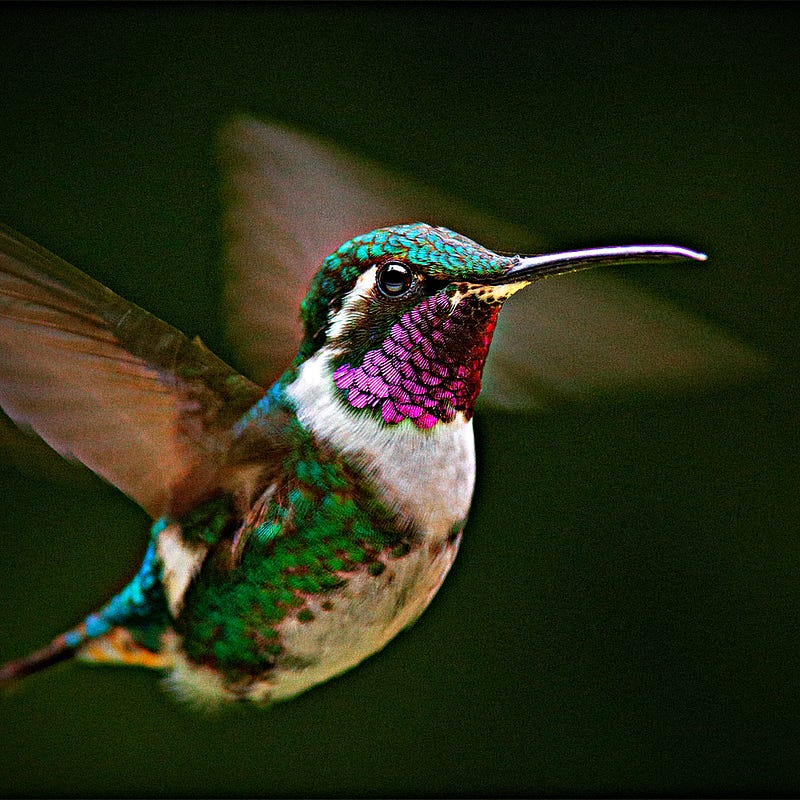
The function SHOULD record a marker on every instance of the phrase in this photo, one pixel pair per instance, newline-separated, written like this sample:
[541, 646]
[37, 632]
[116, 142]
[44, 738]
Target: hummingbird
[299, 524]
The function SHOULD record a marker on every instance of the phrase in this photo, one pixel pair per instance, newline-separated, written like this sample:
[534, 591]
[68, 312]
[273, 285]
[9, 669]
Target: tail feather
[60, 649]
[117, 646]
[127, 630]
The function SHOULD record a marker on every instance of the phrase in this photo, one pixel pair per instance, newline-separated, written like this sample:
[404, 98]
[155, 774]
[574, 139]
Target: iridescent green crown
[439, 252]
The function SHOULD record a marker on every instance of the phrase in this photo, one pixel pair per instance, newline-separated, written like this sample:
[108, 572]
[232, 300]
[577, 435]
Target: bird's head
[406, 314]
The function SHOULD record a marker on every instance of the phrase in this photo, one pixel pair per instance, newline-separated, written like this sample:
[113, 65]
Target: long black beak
[533, 268]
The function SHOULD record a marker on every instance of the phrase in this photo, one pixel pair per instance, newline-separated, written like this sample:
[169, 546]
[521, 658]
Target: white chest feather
[426, 475]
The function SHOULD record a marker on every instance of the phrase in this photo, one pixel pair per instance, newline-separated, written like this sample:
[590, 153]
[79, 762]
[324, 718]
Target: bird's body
[298, 529]
[333, 506]
[345, 547]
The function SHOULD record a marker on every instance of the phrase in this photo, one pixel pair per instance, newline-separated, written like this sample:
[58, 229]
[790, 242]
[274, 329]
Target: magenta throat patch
[428, 367]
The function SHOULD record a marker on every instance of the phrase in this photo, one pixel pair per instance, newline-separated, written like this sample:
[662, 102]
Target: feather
[291, 199]
[105, 382]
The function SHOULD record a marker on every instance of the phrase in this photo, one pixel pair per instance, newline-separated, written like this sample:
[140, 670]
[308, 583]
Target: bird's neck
[425, 475]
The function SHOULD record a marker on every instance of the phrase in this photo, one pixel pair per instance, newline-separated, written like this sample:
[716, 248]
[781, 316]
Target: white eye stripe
[355, 298]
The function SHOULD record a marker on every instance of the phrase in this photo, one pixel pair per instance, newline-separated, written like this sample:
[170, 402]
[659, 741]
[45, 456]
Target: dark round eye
[395, 278]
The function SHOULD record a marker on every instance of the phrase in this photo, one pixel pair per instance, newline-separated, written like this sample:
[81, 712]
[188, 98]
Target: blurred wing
[105, 382]
[33, 457]
[291, 199]
[595, 335]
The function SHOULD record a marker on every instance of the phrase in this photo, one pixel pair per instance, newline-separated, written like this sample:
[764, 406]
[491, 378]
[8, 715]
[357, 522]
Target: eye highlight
[394, 279]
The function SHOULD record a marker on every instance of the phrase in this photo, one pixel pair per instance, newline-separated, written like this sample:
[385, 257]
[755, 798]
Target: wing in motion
[105, 382]
[291, 199]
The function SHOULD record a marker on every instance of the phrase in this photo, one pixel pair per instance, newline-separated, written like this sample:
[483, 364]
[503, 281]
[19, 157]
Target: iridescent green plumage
[322, 523]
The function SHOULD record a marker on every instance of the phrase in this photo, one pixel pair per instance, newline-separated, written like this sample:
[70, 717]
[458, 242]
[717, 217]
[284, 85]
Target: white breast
[426, 475]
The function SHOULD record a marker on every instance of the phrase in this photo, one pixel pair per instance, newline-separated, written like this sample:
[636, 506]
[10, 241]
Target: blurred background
[623, 616]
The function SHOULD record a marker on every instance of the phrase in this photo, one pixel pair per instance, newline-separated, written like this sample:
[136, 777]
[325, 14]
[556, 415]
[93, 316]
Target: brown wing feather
[105, 382]
[292, 199]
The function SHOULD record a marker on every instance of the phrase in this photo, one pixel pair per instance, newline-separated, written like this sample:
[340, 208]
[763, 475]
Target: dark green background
[623, 616]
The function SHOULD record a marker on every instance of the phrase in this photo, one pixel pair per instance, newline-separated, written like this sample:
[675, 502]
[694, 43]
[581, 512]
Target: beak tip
[695, 255]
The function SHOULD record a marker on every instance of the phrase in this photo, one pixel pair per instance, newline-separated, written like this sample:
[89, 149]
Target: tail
[127, 630]
[58, 650]
[117, 645]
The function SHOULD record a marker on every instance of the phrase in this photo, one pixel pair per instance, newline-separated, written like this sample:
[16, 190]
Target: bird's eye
[395, 279]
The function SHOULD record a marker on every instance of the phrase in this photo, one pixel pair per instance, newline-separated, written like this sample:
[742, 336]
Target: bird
[298, 523]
